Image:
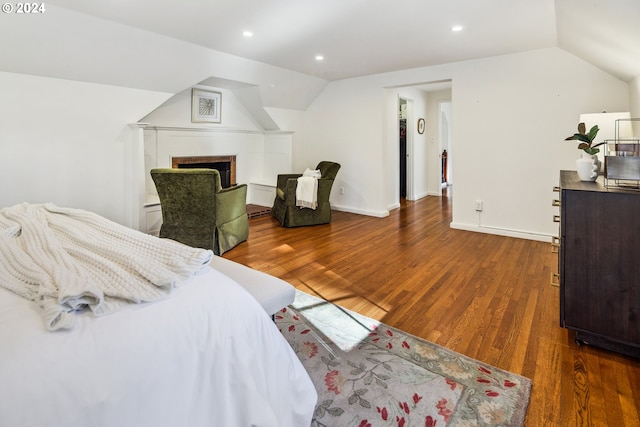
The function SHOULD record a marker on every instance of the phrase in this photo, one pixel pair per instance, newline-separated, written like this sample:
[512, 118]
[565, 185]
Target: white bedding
[206, 356]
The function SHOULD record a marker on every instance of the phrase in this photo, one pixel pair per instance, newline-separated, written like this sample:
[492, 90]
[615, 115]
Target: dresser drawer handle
[556, 189]
[555, 202]
[556, 218]
[555, 279]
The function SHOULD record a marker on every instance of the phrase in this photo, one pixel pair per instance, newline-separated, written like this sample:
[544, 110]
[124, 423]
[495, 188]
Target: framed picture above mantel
[206, 106]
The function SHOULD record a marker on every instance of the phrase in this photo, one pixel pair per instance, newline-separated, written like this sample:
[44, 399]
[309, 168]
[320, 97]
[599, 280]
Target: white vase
[587, 167]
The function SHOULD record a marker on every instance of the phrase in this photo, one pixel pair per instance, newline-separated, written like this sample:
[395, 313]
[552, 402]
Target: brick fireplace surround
[190, 160]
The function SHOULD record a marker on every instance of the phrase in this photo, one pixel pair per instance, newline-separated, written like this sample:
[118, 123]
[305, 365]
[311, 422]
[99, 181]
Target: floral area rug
[368, 374]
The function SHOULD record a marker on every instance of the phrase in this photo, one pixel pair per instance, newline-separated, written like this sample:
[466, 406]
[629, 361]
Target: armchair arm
[231, 203]
[286, 187]
[288, 192]
[283, 178]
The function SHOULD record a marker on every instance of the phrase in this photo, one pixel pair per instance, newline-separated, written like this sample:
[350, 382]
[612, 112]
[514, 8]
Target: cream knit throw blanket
[307, 189]
[68, 259]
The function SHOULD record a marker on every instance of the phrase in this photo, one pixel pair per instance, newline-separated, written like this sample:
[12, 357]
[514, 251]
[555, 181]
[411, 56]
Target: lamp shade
[607, 124]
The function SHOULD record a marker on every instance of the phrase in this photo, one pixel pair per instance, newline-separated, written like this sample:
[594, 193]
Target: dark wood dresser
[599, 263]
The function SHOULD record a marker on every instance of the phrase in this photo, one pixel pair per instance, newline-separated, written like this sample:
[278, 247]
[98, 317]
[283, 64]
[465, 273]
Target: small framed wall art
[206, 106]
[420, 126]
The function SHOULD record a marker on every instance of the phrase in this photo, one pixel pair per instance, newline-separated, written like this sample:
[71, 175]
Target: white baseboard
[419, 196]
[541, 237]
[502, 232]
[378, 214]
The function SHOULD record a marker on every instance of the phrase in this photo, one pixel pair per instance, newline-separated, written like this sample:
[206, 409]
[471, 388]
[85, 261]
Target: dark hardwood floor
[486, 296]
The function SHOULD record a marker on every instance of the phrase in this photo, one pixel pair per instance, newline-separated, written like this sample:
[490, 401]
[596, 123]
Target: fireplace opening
[226, 165]
[223, 167]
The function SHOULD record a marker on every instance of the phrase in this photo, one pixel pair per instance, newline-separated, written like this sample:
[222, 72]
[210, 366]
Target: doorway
[446, 166]
[418, 155]
[405, 112]
[402, 140]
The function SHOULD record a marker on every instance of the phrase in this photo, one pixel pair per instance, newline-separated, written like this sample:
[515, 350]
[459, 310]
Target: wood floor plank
[612, 392]
[485, 296]
[628, 391]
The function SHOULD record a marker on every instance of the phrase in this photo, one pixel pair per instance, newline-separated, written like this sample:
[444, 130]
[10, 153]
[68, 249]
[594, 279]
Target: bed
[206, 354]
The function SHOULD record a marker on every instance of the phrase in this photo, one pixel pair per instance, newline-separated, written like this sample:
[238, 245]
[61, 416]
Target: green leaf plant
[586, 139]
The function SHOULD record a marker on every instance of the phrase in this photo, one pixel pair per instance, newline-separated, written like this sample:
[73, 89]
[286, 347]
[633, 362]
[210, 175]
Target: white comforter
[206, 356]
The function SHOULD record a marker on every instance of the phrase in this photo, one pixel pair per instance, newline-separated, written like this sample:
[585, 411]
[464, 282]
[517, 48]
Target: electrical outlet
[478, 205]
[342, 190]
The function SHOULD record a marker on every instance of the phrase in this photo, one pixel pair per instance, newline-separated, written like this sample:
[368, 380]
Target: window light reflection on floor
[343, 327]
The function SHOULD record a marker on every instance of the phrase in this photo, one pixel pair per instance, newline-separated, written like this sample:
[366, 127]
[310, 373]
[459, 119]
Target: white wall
[345, 124]
[293, 121]
[65, 142]
[510, 116]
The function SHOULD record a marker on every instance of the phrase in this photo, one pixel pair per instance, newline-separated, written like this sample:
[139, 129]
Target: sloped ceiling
[605, 33]
[362, 37]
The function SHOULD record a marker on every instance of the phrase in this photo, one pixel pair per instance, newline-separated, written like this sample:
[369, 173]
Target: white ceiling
[362, 37]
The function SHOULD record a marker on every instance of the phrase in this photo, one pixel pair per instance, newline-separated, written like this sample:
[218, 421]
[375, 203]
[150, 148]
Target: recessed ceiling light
[457, 28]
[247, 33]
[319, 58]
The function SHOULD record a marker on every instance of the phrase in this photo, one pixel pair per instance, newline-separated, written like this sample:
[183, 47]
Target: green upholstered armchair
[198, 212]
[284, 205]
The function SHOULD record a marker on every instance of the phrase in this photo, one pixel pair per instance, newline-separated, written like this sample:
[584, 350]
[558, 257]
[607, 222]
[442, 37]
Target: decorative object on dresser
[622, 156]
[598, 264]
[588, 165]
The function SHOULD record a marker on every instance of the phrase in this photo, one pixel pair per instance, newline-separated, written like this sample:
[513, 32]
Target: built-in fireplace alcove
[226, 165]
[263, 155]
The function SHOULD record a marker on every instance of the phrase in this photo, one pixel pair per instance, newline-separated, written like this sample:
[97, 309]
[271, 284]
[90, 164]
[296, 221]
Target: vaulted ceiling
[362, 37]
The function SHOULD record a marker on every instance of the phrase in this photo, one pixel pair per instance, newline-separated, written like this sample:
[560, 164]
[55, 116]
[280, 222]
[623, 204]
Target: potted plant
[588, 166]
[586, 139]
